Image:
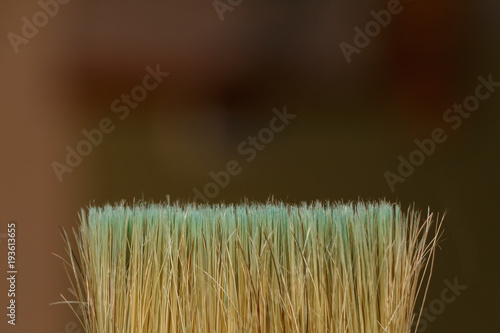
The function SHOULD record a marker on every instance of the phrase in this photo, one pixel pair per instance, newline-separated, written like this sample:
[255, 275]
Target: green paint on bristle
[272, 267]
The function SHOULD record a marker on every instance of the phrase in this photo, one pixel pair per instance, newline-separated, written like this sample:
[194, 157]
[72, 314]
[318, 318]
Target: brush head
[319, 267]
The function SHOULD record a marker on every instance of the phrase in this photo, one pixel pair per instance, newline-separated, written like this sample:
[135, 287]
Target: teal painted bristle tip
[274, 267]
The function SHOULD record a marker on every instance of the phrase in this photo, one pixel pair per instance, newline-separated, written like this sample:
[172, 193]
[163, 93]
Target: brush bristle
[275, 267]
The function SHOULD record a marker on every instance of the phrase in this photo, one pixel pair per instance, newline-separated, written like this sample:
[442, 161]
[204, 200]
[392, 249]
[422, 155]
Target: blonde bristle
[275, 267]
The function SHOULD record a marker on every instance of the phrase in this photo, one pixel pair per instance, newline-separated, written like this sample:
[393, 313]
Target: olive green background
[353, 121]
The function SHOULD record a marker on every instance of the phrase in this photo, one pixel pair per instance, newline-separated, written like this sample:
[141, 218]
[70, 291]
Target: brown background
[353, 120]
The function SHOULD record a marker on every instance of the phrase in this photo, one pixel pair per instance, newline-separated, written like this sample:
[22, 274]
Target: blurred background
[353, 120]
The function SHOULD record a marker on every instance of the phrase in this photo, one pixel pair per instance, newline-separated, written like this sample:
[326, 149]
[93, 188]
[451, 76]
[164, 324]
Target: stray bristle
[275, 267]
